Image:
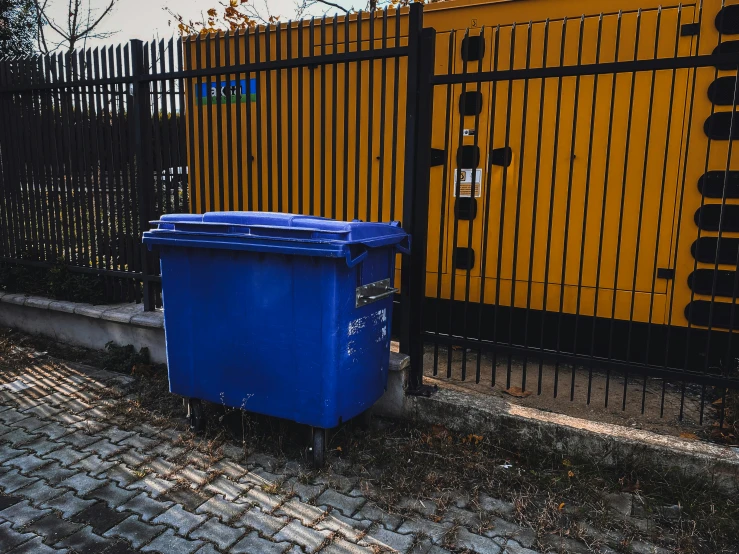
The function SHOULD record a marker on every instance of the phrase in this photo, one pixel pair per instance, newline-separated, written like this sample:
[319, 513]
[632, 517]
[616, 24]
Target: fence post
[421, 43]
[141, 105]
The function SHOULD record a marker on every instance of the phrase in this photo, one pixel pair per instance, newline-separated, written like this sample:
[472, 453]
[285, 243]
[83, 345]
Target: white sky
[146, 19]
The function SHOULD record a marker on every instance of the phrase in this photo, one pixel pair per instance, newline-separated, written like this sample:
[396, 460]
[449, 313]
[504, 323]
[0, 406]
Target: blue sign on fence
[223, 92]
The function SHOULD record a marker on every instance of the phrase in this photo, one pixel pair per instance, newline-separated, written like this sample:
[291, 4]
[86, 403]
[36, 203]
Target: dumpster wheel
[196, 415]
[319, 447]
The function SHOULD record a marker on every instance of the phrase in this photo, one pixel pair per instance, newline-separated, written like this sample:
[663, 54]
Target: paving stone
[476, 543]
[146, 507]
[54, 473]
[34, 546]
[66, 456]
[463, 517]
[306, 493]
[507, 530]
[435, 531]
[30, 423]
[337, 482]
[133, 458]
[230, 469]
[382, 537]
[116, 435]
[196, 477]
[208, 549]
[424, 507]
[42, 446]
[43, 411]
[162, 467]
[254, 544]
[6, 501]
[266, 524]
[13, 480]
[12, 416]
[344, 547]
[120, 547]
[104, 448]
[140, 442]
[189, 498]
[121, 474]
[264, 500]
[68, 504]
[214, 531]
[265, 461]
[371, 512]
[53, 430]
[180, 519]
[93, 465]
[100, 517]
[112, 495]
[495, 505]
[296, 532]
[39, 492]
[9, 538]
[7, 452]
[18, 437]
[21, 514]
[154, 486]
[85, 541]
[81, 483]
[168, 542]
[295, 509]
[221, 508]
[226, 488]
[79, 439]
[437, 550]
[135, 531]
[52, 528]
[512, 547]
[348, 527]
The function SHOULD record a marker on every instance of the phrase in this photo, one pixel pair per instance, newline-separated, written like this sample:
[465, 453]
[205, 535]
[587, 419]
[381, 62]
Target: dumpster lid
[290, 233]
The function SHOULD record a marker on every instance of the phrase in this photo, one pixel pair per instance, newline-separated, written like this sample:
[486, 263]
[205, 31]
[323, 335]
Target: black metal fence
[562, 266]
[307, 117]
[92, 147]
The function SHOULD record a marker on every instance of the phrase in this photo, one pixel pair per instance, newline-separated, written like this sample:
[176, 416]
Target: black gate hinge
[665, 273]
[437, 157]
[690, 29]
[423, 390]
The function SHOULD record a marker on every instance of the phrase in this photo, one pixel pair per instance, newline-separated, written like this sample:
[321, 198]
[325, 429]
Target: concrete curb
[84, 324]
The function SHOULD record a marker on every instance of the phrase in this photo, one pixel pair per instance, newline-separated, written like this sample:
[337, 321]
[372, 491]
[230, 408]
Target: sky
[146, 19]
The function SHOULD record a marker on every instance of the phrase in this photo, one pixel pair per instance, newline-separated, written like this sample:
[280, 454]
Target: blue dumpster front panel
[260, 312]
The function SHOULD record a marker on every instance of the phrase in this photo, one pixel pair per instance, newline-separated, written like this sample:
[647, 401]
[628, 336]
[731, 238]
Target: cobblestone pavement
[76, 478]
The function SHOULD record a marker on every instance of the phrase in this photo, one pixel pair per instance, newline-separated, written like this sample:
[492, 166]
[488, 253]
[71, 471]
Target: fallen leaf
[718, 402]
[689, 436]
[518, 392]
[561, 506]
[439, 430]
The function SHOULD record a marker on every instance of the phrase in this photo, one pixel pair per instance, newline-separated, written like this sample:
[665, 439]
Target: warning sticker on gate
[463, 181]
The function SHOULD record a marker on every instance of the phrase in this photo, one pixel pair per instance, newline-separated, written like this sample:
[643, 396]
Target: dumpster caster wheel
[196, 415]
[319, 447]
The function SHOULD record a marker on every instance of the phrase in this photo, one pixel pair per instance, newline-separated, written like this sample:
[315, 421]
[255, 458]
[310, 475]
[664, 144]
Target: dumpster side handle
[351, 258]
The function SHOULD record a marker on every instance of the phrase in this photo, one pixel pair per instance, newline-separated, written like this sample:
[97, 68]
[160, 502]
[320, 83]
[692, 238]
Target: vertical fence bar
[421, 44]
[142, 149]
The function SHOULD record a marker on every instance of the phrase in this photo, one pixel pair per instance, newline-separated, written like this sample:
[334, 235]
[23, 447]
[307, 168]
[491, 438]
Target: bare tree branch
[76, 28]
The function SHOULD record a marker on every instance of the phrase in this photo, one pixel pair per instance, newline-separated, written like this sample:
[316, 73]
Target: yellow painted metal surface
[562, 192]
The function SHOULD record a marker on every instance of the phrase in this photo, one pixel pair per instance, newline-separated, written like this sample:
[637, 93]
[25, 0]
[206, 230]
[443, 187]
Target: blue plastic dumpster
[284, 315]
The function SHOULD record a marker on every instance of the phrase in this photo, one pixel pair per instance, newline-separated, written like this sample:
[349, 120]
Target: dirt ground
[580, 391]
